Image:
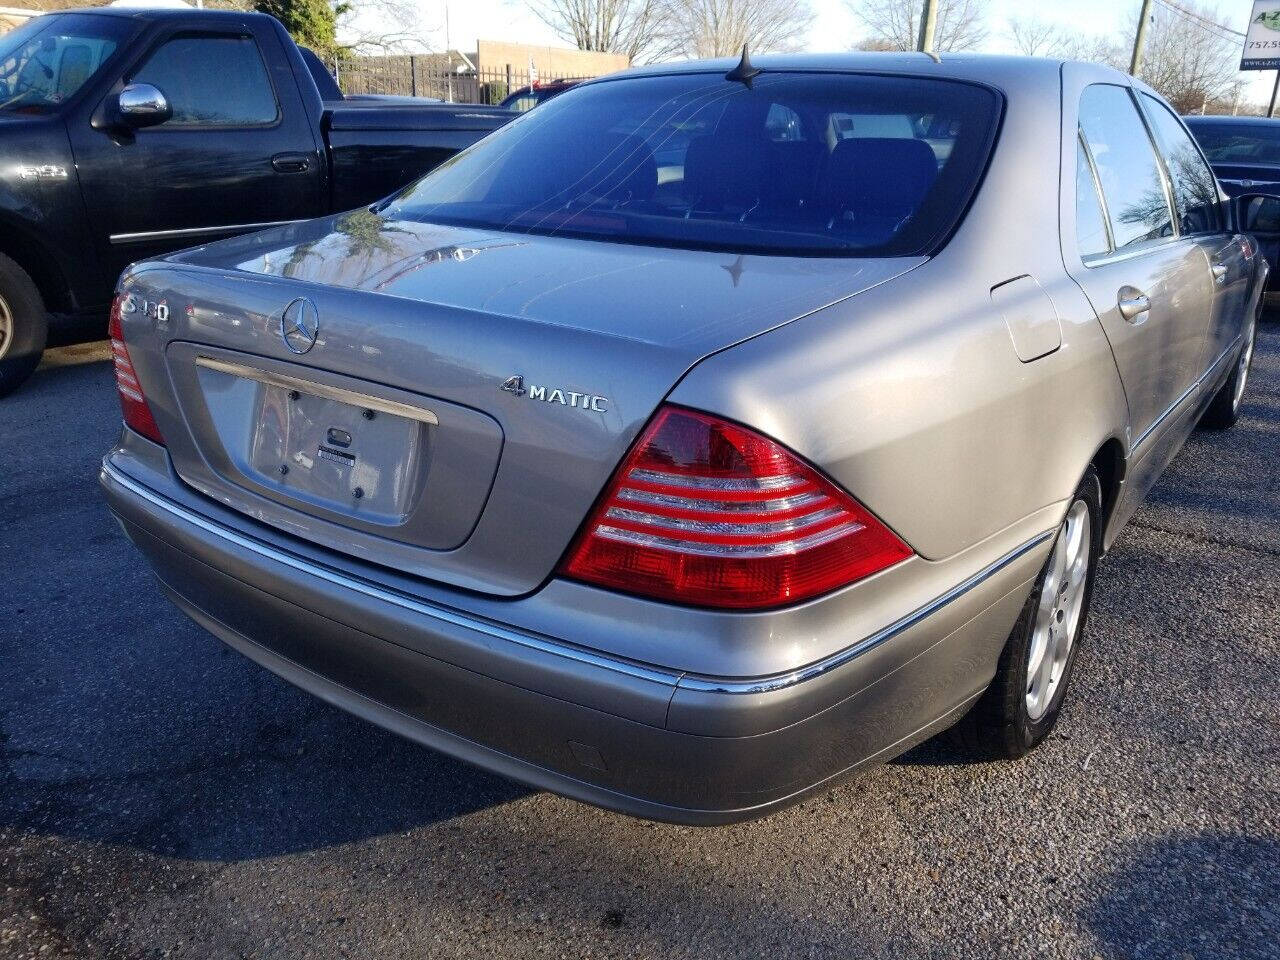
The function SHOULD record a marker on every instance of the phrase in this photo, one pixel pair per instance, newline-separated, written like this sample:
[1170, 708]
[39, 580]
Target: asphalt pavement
[162, 797]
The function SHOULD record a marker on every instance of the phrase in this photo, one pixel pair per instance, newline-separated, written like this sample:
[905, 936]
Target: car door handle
[291, 163]
[1219, 272]
[1134, 304]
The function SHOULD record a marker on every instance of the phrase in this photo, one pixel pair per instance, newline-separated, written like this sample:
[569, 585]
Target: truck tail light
[137, 415]
[708, 513]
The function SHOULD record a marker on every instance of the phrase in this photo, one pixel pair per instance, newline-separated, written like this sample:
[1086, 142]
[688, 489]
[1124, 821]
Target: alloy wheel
[1242, 371]
[1057, 617]
[6, 327]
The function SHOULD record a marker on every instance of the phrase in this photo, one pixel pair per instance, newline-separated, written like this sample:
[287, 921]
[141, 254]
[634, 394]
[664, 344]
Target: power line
[1222, 27]
[1217, 30]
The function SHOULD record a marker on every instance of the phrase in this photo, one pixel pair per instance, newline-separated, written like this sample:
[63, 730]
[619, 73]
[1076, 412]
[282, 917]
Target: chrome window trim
[1122, 254]
[196, 231]
[674, 679]
[1100, 197]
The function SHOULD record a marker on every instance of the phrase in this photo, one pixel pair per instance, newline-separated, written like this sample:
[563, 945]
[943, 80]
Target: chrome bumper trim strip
[673, 679]
[348, 582]
[781, 681]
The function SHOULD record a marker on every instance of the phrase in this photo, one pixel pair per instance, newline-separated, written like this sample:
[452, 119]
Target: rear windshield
[797, 163]
[1238, 142]
[48, 59]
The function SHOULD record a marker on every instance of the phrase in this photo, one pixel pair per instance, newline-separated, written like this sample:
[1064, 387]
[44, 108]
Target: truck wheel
[23, 326]
[1224, 410]
[1021, 706]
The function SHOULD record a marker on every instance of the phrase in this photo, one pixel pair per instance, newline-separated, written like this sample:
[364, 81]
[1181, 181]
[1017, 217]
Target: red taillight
[137, 415]
[712, 514]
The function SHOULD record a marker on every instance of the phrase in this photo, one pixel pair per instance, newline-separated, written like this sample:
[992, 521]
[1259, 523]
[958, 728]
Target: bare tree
[895, 24]
[1033, 37]
[1187, 60]
[638, 28]
[379, 27]
[720, 28]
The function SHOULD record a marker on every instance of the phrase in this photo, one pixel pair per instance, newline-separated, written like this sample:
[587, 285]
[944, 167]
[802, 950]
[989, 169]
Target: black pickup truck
[127, 133]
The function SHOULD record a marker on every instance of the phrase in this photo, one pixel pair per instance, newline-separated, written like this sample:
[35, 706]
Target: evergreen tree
[311, 23]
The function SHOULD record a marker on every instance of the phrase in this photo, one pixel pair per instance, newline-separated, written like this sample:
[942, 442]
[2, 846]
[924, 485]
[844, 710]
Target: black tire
[1224, 411]
[27, 326]
[1000, 725]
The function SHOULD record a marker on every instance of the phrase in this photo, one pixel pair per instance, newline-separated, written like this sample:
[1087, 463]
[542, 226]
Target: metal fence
[429, 75]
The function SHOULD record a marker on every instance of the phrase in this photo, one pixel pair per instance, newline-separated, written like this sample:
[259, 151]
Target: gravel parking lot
[162, 797]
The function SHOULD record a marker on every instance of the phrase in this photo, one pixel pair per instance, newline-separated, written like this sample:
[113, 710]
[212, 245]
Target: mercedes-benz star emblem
[299, 325]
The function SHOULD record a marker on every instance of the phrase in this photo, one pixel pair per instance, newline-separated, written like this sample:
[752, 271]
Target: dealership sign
[1262, 42]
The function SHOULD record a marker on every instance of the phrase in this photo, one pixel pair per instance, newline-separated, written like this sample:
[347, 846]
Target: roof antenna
[744, 71]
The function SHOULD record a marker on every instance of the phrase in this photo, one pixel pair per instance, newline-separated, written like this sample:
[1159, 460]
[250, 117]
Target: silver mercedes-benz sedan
[704, 435]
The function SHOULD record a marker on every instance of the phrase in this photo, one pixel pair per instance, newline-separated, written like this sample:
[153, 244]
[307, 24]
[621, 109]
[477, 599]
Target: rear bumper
[636, 738]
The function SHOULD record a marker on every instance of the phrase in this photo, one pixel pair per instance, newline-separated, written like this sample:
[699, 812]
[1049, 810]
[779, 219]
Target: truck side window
[212, 81]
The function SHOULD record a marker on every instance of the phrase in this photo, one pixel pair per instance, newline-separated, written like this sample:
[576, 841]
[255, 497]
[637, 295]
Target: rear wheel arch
[1110, 464]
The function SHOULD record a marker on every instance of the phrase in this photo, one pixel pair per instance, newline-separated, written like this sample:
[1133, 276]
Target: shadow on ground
[1204, 896]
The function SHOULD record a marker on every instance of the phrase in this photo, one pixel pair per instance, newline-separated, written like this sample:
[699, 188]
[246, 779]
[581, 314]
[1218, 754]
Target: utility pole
[1140, 41]
[448, 56]
[929, 24]
[1271, 110]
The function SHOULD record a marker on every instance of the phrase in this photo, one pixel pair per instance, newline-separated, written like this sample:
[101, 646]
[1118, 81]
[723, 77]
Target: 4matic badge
[569, 398]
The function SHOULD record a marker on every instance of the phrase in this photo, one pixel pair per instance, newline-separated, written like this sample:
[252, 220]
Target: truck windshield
[46, 60]
[818, 164]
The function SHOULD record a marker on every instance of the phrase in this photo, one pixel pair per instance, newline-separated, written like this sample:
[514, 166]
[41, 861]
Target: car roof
[160, 13]
[1193, 119]
[1001, 68]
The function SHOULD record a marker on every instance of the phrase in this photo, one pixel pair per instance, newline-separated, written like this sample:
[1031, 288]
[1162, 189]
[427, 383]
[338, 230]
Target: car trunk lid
[468, 393]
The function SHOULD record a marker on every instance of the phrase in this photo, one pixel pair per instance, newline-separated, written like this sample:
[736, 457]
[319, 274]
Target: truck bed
[375, 149]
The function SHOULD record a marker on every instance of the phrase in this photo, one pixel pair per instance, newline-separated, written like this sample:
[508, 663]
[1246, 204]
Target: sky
[834, 27]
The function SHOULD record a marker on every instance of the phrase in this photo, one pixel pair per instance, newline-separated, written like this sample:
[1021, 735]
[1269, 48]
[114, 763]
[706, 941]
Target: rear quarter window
[1128, 170]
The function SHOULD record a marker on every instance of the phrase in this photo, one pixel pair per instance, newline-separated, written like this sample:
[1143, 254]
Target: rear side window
[1195, 191]
[1091, 228]
[1127, 167]
[211, 81]
[812, 164]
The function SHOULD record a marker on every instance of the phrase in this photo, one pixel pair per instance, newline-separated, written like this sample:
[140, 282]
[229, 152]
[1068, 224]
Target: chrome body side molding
[119, 238]
[1146, 434]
